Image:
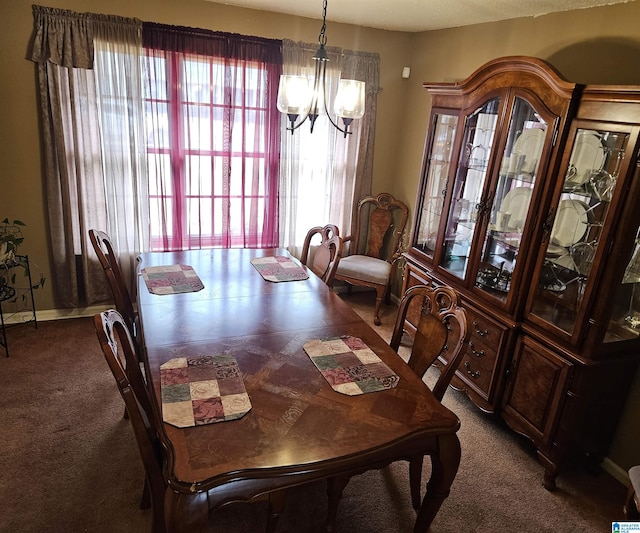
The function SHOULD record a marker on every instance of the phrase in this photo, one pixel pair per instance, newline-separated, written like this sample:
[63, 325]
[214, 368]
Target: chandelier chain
[322, 38]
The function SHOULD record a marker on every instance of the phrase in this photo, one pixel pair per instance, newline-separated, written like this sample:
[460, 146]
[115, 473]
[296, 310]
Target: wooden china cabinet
[528, 206]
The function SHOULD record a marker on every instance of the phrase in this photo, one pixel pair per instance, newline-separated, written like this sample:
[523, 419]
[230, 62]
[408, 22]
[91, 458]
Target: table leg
[184, 512]
[444, 465]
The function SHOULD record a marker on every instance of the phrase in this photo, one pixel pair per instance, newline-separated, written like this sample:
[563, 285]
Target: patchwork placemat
[202, 390]
[279, 268]
[350, 366]
[171, 279]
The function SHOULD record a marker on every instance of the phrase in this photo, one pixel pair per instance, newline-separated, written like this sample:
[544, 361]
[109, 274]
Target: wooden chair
[632, 504]
[439, 339]
[109, 260]
[374, 248]
[118, 346]
[327, 255]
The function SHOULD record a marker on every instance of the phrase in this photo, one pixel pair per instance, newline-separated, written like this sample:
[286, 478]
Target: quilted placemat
[202, 390]
[350, 366]
[171, 279]
[279, 268]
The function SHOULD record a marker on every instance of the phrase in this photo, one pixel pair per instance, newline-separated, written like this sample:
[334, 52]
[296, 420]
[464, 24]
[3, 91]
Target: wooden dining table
[299, 429]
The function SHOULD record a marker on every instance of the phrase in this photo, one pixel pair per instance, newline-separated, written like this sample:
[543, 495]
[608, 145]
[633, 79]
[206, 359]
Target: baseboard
[55, 314]
[618, 473]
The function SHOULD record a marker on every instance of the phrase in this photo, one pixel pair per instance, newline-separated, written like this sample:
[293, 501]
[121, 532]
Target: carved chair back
[109, 260]
[327, 255]
[380, 224]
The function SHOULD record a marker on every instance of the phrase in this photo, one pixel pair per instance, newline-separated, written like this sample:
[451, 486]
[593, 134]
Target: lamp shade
[294, 95]
[349, 102]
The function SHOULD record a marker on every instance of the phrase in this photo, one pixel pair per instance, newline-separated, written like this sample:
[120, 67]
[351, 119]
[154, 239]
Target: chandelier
[298, 96]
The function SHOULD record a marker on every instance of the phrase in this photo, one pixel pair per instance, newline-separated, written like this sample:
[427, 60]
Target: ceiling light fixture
[298, 96]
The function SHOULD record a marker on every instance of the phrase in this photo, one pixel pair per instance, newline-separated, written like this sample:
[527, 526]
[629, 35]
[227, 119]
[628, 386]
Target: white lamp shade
[349, 102]
[294, 94]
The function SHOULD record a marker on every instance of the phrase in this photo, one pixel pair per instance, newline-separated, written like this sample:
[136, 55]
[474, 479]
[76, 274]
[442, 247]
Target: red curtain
[213, 138]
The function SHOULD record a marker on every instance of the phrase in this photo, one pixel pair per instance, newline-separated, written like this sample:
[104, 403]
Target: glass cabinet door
[508, 212]
[579, 217]
[438, 165]
[466, 201]
[625, 318]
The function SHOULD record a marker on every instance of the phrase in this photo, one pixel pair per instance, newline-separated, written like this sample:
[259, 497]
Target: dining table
[299, 423]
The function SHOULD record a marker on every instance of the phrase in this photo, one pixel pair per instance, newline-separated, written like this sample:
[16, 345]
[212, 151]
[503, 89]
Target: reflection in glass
[581, 212]
[632, 275]
[436, 183]
[518, 173]
[466, 202]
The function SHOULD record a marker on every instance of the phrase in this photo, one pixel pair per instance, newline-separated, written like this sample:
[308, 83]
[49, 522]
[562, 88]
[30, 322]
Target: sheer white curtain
[118, 68]
[322, 174]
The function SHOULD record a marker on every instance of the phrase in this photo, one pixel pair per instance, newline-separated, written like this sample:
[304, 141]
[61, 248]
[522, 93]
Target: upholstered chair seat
[365, 268]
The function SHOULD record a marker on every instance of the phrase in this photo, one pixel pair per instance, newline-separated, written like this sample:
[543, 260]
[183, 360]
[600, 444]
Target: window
[213, 169]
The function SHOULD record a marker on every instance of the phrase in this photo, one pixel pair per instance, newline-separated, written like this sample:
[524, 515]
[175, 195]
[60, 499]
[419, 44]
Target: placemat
[171, 279]
[202, 390]
[279, 268]
[350, 366]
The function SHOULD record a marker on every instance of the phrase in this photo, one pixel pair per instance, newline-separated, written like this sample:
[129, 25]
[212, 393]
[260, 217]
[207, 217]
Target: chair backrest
[120, 352]
[109, 261]
[380, 224]
[326, 256]
[441, 331]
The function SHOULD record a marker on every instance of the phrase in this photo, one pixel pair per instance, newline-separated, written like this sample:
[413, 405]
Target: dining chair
[632, 503]
[109, 261]
[120, 350]
[327, 255]
[439, 340]
[374, 248]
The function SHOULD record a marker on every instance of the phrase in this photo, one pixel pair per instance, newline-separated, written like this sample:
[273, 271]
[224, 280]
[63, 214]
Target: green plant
[10, 240]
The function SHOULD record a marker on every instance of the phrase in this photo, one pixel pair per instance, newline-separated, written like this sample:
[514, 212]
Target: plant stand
[12, 291]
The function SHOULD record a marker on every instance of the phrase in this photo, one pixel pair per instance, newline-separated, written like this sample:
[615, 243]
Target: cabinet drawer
[475, 374]
[484, 330]
[481, 353]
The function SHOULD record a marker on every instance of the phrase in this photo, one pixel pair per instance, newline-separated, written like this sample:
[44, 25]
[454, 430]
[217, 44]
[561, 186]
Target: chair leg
[630, 508]
[380, 294]
[415, 481]
[335, 487]
[276, 506]
[145, 501]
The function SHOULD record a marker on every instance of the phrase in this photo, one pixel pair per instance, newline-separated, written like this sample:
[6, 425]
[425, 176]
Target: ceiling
[418, 15]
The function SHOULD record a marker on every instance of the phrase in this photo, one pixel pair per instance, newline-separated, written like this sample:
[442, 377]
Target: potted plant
[10, 240]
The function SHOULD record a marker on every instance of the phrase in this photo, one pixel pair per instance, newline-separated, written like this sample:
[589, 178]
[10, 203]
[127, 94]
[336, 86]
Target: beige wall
[594, 45]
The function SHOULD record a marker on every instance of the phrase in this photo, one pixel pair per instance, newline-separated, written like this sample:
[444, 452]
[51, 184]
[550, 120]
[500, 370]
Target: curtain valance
[66, 38]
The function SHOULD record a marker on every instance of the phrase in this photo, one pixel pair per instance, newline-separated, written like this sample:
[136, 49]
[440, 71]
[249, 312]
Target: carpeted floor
[69, 462]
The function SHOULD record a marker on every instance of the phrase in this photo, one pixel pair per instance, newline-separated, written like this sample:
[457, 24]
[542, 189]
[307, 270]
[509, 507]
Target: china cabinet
[527, 207]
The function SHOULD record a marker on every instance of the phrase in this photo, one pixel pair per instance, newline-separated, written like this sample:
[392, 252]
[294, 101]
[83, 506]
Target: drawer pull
[477, 329]
[475, 352]
[473, 373]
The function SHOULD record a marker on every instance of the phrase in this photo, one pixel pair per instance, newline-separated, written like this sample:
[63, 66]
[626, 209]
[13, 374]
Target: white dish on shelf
[571, 223]
[587, 156]
[516, 202]
[553, 250]
[530, 145]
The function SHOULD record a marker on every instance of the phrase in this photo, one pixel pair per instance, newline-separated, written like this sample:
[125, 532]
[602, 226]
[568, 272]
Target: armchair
[374, 248]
